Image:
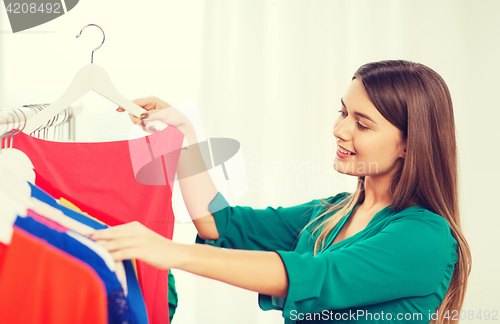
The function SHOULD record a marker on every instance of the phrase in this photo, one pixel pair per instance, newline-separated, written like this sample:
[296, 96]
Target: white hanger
[11, 207]
[18, 159]
[16, 168]
[90, 77]
[7, 219]
[15, 191]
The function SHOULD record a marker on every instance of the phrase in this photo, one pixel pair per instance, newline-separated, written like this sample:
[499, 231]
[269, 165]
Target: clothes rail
[15, 118]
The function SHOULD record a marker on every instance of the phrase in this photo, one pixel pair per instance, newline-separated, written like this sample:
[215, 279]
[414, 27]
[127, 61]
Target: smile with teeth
[345, 152]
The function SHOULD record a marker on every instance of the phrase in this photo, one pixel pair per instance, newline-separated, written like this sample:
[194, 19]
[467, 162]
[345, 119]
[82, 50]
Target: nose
[342, 131]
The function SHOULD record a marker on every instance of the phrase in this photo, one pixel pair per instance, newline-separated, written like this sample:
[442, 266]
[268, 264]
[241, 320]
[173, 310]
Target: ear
[403, 149]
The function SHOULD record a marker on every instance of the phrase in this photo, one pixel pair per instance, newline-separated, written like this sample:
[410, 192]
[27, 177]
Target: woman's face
[362, 130]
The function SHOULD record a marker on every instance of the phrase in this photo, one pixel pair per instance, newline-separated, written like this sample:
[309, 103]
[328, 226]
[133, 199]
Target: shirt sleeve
[172, 296]
[267, 229]
[409, 257]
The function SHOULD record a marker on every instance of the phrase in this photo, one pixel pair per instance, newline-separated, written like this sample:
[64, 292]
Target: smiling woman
[393, 250]
[400, 117]
[364, 140]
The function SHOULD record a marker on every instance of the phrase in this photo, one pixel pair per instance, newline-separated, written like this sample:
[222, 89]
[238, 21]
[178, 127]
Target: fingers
[142, 123]
[123, 241]
[136, 241]
[125, 254]
[155, 114]
[152, 105]
[119, 243]
[122, 249]
[148, 103]
[136, 120]
[154, 120]
[119, 231]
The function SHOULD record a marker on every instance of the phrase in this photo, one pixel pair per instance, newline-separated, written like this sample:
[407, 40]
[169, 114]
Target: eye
[361, 126]
[342, 113]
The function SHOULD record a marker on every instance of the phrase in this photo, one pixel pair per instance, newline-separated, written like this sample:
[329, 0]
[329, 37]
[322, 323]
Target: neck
[377, 190]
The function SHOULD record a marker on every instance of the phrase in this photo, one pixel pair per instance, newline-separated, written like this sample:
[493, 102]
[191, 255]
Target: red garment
[116, 182]
[41, 284]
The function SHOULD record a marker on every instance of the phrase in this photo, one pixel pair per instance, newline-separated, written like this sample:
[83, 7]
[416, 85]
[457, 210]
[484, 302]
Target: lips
[343, 150]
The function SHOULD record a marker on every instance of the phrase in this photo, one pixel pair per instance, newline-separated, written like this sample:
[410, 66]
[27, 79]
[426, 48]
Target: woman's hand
[136, 241]
[158, 109]
[260, 271]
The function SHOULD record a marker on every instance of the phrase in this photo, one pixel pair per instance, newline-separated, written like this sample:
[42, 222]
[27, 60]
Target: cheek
[376, 149]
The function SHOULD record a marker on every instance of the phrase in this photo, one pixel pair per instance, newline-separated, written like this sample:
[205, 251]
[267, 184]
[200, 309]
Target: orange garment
[41, 284]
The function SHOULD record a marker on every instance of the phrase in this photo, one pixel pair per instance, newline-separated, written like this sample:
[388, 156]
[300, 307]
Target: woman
[392, 251]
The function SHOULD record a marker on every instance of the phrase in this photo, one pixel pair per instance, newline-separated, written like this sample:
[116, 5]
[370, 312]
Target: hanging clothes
[134, 291]
[41, 284]
[119, 311]
[116, 267]
[116, 182]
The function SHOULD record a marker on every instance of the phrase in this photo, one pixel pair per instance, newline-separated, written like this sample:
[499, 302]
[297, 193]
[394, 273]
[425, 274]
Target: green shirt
[396, 270]
[172, 296]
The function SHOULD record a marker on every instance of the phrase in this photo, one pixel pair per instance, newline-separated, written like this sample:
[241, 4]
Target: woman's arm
[198, 190]
[197, 187]
[258, 271]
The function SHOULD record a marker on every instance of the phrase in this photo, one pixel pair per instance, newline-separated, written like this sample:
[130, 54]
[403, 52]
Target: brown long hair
[416, 100]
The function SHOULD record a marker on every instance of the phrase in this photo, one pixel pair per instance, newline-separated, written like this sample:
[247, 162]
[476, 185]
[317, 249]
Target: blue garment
[134, 296]
[119, 310]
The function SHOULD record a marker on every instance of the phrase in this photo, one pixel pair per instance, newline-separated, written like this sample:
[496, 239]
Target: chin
[358, 168]
[344, 171]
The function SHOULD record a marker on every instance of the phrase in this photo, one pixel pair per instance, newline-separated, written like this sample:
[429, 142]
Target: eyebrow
[358, 113]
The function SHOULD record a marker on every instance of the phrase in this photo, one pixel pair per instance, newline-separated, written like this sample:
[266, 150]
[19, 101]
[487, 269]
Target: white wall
[277, 69]
[150, 48]
[270, 74]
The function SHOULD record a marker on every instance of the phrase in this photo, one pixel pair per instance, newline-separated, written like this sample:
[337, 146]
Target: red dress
[116, 182]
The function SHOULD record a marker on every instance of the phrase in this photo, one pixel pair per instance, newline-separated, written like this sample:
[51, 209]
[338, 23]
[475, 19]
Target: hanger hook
[95, 49]
[18, 129]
